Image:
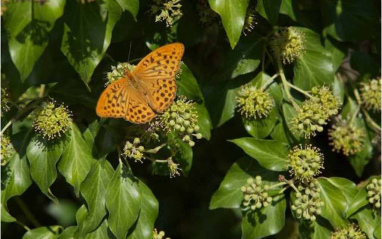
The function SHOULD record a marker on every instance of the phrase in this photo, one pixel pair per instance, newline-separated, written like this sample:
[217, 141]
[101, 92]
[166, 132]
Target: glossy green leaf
[15, 176]
[130, 5]
[229, 194]
[87, 34]
[350, 20]
[338, 89]
[377, 231]
[269, 9]
[143, 229]
[334, 203]
[337, 52]
[43, 156]
[315, 66]
[51, 232]
[270, 154]
[76, 159]
[123, 201]
[28, 25]
[266, 221]
[232, 13]
[368, 220]
[93, 189]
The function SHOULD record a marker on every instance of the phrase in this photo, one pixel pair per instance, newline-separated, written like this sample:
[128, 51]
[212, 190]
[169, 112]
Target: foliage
[278, 102]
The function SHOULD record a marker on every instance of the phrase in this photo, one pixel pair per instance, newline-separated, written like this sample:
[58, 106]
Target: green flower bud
[7, 150]
[134, 150]
[374, 192]
[288, 45]
[159, 235]
[350, 232]
[305, 162]
[371, 94]
[346, 138]
[166, 10]
[255, 194]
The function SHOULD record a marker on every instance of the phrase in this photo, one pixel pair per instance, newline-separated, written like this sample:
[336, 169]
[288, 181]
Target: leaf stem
[286, 85]
[23, 225]
[269, 82]
[299, 90]
[27, 212]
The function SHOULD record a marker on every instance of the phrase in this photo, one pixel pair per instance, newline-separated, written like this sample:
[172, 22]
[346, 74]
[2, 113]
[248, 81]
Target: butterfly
[145, 91]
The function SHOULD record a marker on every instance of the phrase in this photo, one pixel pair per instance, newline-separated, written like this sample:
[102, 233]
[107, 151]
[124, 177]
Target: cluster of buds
[52, 121]
[169, 11]
[374, 192]
[134, 150]
[324, 96]
[305, 163]
[206, 15]
[250, 21]
[256, 194]
[346, 138]
[308, 203]
[7, 150]
[288, 45]
[118, 72]
[253, 103]
[159, 235]
[182, 118]
[350, 232]
[371, 94]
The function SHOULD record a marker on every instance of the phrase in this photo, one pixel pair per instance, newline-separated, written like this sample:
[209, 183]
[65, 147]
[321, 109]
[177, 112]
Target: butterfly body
[148, 89]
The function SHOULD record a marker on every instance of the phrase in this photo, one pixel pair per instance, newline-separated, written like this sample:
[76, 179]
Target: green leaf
[338, 52]
[15, 176]
[350, 20]
[266, 221]
[269, 9]
[123, 201]
[368, 220]
[334, 203]
[28, 24]
[188, 86]
[289, 113]
[314, 67]
[229, 194]
[87, 34]
[232, 13]
[93, 189]
[377, 231]
[76, 160]
[338, 88]
[131, 6]
[43, 156]
[147, 216]
[270, 154]
[50, 232]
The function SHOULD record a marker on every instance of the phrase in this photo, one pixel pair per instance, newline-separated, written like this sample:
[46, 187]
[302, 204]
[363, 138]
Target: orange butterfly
[149, 89]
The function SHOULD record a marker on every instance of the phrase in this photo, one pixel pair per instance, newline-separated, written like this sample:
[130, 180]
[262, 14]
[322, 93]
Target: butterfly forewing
[113, 100]
[156, 74]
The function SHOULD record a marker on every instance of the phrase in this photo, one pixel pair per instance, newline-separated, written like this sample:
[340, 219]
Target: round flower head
[250, 21]
[118, 72]
[256, 194]
[350, 232]
[346, 138]
[310, 118]
[159, 235]
[324, 96]
[169, 11]
[254, 103]
[181, 118]
[7, 150]
[374, 193]
[206, 14]
[305, 163]
[52, 121]
[307, 204]
[371, 94]
[289, 45]
[134, 150]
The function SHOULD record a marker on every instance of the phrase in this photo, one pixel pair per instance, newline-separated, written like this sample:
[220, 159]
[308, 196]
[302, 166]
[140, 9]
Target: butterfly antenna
[128, 58]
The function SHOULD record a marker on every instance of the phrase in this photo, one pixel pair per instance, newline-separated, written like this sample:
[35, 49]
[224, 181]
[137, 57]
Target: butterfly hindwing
[156, 74]
[138, 111]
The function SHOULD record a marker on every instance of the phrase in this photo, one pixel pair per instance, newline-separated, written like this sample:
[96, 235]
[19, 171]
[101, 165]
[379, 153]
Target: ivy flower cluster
[168, 11]
[308, 203]
[314, 113]
[350, 232]
[181, 118]
[371, 94]
[346, 138]
[134, 150]
[289, 45]
[305, 162]
[206, 14]
[374, 192]
[5, 101]
[253, 103]
[159, 235]
[250, 21]
[51, 121]
[256, 194]
[7, 150]
[118, 72]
